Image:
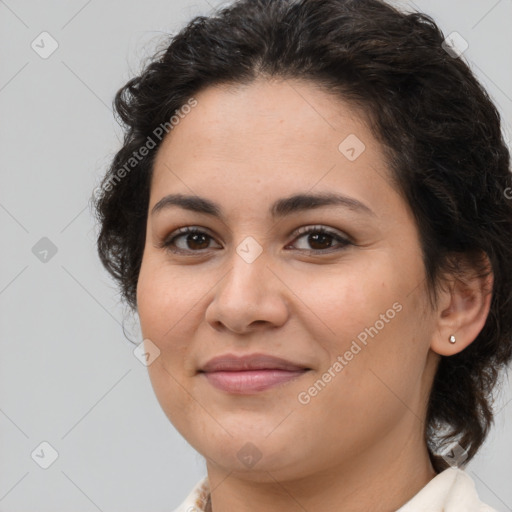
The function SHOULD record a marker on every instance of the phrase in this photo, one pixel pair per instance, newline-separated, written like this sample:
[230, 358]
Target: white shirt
[452, 490]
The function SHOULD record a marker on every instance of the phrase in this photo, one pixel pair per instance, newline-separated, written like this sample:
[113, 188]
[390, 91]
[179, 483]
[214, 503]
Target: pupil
[315, 237]
[194, 236]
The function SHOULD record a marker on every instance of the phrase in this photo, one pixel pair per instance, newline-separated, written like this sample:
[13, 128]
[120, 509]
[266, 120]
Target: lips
[232, 363]
[250, 374]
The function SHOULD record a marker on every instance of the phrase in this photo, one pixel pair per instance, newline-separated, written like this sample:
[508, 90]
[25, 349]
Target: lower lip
[250, 381]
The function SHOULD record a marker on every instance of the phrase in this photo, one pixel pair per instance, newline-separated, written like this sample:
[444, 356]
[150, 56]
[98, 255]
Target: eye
[196, 240]
[321, 239]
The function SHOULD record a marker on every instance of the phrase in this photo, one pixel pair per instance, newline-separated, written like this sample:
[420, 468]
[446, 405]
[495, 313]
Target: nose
[249, 297]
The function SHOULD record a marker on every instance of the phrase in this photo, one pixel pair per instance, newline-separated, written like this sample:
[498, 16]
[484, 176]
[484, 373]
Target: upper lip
[231, 362]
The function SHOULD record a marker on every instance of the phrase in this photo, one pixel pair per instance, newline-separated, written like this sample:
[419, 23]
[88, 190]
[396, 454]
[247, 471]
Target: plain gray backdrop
[69, 377]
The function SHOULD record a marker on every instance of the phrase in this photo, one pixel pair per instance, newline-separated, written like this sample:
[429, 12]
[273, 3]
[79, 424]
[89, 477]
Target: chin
[256, 457]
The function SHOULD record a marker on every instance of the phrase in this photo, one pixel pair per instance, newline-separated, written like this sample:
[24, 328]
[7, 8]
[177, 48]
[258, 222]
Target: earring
[452, 339]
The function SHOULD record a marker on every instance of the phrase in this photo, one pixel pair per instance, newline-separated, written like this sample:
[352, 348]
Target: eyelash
[168, 243]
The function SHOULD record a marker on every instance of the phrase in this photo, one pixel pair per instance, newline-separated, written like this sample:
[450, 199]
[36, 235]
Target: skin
[359, 441]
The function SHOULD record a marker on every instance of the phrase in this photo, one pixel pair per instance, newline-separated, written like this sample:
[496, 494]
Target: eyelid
[322, 228]
[185, 230]
[341, 238]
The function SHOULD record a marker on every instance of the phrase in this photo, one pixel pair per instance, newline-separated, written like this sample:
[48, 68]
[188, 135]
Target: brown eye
[321, 239]
[193, 240]
[196, 240]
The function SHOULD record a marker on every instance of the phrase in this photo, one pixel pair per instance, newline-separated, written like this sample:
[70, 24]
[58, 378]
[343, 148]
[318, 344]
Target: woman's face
[354, 313]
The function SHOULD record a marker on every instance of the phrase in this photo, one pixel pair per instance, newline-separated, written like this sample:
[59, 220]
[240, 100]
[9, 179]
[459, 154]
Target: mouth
[250, 381]
[250, 374]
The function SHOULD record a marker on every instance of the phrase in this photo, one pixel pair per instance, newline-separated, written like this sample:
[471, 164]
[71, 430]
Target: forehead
[276, 114]
[268, 137]
[274, 123]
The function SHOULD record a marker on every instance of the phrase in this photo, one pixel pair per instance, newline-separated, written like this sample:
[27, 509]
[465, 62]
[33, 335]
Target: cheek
[146, 300]
[347, 299]
[175, 396]
[166, 299]
[158, 313]
[370, 318]
[169, 309]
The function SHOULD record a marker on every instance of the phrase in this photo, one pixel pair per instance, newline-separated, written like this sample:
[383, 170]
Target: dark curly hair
[438, 127]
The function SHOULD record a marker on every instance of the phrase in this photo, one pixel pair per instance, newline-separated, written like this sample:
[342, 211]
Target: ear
[463, 306]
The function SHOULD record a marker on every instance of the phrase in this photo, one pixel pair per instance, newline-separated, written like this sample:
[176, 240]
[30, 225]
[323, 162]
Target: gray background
[68, 375]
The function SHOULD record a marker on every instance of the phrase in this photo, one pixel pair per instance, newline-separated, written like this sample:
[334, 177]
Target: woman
[310, 216]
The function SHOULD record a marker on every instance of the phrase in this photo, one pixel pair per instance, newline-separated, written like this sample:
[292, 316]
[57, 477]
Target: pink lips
[249, 374]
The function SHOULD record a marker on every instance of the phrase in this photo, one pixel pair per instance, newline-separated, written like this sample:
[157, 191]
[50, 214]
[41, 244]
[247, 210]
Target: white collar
[452, 490]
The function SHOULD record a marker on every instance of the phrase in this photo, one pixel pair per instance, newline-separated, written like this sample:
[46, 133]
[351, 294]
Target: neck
[375, 481]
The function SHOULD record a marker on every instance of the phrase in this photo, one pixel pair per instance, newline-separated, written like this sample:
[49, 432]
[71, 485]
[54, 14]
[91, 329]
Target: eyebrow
[280, 208]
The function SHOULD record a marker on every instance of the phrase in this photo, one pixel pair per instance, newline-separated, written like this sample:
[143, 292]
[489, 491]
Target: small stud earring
[452, 339]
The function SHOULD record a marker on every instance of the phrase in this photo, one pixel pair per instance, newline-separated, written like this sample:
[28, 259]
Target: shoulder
[464, 489]
[452, 490]
[196, 499]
